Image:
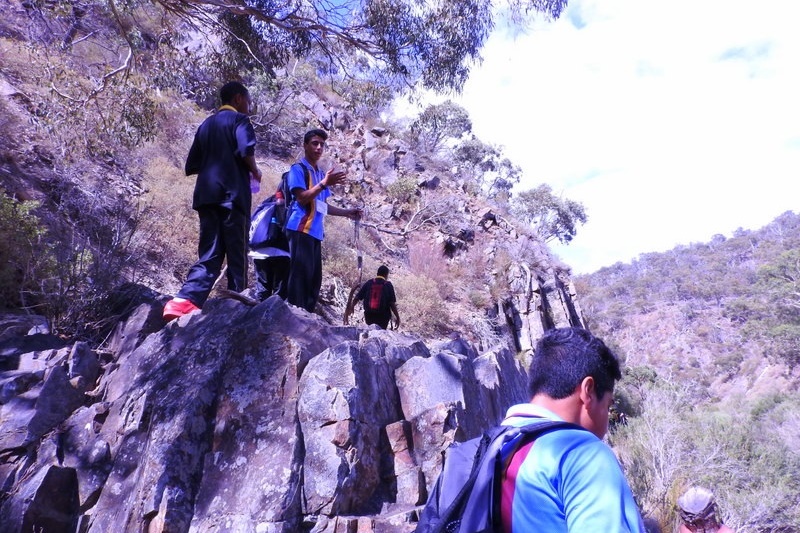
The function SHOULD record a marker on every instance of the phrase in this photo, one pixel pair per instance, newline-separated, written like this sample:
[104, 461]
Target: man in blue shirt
[306, 224]
[222, 156]
[568, 480]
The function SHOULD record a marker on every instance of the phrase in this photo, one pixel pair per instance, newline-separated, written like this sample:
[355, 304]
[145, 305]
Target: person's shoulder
[299, 168]
[297, 175]
[242, 120]
[577, 440]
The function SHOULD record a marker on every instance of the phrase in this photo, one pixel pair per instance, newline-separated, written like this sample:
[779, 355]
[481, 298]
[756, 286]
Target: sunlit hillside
[711, 336]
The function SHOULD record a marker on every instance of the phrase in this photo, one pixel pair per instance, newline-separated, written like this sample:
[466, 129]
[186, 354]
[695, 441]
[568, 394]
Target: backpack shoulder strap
[483, 506]
[307, 174]
[287, 193]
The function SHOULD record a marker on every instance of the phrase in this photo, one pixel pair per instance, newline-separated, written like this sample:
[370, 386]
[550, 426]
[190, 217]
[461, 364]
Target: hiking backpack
[268, 223]
[374, 302]
[466, 496]
[266, 226]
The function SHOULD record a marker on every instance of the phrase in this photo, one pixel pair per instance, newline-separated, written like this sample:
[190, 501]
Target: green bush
[25, 258]
[65, 273]
[402, 190]
[744, 451]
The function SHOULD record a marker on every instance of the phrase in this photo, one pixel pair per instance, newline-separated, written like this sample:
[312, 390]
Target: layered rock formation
[242, 419]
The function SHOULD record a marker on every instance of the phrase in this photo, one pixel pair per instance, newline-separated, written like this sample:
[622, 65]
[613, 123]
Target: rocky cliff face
[245, 419]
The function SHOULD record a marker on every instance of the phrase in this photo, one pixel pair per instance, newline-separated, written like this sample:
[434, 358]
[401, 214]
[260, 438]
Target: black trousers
[380, 320]
[305, 270]
[223, 235]
[272, 277]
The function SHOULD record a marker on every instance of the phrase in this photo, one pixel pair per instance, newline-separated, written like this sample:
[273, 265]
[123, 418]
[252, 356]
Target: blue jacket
[569, 481]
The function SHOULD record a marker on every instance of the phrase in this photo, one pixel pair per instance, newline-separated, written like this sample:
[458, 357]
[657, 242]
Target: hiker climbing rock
[222, 156]
[305, 227]
[699, 513]
[379, 300]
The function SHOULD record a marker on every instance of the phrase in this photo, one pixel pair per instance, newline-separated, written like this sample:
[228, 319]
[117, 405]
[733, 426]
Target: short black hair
[383, 271]
[564, 357]
[315, 133]
[230, 90]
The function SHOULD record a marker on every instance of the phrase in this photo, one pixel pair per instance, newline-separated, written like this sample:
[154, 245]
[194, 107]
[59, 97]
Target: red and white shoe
[176, 308]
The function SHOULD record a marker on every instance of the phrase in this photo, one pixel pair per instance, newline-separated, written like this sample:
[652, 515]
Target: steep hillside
[97, 110]
[706, 312]
[102, 158]
[710, 334]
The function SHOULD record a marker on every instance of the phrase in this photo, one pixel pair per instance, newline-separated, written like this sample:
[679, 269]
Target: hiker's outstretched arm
[353, 214]
[332, 177]
[393, 307]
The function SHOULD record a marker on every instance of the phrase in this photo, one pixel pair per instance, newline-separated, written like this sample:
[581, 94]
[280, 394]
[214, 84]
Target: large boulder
[238, 418]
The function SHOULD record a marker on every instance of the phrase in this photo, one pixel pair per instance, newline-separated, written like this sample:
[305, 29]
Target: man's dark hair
[564, 357]
[315, 133]
[230, 90]
[383, 271]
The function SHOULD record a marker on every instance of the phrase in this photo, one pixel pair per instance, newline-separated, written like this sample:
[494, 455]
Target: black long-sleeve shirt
[217, 155]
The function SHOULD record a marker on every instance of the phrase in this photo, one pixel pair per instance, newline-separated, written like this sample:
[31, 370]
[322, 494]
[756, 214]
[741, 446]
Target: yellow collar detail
[227, 107]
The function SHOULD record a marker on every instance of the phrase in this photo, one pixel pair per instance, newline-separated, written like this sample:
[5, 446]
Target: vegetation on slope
[93, 166]
[709, 332]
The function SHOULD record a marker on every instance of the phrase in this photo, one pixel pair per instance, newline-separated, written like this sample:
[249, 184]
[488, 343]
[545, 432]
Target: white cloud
[670, 121]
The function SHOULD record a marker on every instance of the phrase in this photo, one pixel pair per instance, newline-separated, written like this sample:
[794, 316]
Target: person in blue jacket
[568, 480]
[223, 157]
[305, 228]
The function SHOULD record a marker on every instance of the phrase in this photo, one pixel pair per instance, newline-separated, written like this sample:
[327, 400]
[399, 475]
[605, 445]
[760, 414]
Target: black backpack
[375, 302]
[466, 496]
[267, 224]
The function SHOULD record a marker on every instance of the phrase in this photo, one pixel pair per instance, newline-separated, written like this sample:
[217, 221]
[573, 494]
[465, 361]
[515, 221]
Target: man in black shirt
[222, 156]
[379, 300]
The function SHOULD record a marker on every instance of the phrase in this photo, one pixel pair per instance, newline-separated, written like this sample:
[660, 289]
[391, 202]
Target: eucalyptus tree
[552, 216]
[435, 43]
[439, 122]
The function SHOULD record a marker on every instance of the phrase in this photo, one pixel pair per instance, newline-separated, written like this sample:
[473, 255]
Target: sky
[671, 121]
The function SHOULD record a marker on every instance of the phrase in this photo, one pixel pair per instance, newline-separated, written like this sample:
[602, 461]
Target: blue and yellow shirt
[308, 219]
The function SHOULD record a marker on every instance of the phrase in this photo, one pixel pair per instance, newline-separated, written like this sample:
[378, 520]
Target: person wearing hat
[699, 514]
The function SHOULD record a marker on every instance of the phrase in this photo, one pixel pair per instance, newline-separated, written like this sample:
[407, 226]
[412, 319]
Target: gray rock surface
[241, 419]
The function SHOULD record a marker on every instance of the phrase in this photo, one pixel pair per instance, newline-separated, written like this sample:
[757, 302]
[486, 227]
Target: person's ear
[588, 389]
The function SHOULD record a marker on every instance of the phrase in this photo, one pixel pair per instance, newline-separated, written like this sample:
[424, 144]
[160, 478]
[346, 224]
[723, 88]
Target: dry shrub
[425, 259]
[339, 254]
[473, 270]
[482, 330]
[170, 228]
[176, 122]
[420, 304]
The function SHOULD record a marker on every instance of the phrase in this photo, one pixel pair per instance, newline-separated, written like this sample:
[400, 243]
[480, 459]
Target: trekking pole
[350, 307]
[359, 256]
